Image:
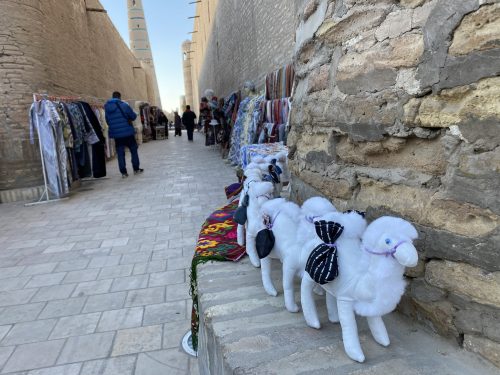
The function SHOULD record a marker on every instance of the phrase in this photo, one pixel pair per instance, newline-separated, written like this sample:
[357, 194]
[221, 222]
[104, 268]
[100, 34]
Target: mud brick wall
[63, 48]
[240, 40]
[397, 111]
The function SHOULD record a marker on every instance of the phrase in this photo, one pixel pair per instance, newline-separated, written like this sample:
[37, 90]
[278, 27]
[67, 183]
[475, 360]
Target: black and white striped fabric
[322, 264]
[360, 213]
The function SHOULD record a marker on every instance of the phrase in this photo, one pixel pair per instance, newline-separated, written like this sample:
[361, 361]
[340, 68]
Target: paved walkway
[98, 284]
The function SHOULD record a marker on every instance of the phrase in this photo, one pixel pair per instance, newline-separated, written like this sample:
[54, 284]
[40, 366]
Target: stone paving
[98, 283]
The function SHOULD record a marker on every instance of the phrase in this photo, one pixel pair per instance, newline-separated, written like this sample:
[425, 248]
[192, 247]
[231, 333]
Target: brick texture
[62, 48]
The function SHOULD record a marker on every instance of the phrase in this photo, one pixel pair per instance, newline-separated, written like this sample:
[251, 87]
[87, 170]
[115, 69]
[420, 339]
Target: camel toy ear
[264, 243]
[322, 264]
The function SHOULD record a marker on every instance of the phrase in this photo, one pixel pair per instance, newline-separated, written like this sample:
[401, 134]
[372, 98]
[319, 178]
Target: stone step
[245, 331]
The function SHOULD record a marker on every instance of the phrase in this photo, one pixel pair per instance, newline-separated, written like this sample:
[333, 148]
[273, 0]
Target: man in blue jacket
[120, 117]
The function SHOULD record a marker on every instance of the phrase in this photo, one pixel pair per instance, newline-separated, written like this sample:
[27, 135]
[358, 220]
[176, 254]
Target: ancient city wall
[396, 110]
[62, 48]
[240, 40]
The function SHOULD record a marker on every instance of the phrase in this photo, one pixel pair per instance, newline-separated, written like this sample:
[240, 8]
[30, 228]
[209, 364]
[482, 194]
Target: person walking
[177, 125]
[120, 117]
[188, 118]
[163, 121]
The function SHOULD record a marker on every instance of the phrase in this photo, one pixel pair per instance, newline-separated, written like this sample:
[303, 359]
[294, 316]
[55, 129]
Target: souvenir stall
[73, 142]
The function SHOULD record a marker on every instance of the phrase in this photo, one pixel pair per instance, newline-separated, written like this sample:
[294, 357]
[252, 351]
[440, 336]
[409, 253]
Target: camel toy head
[261, 192]
[392, 236]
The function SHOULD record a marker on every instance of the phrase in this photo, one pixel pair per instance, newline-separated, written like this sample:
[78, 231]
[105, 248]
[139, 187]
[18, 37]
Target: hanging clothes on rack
[45, 119]
[98, 148]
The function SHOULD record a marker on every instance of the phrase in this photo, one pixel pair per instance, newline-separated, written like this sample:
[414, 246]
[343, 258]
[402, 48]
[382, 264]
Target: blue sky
[168, 27]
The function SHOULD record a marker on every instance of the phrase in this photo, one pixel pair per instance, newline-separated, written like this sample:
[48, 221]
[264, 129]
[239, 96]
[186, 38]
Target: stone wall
[396, 111]
[240, 40]
[62, 48]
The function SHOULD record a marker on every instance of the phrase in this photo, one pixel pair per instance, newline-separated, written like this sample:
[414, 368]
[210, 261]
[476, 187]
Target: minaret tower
[139, 42]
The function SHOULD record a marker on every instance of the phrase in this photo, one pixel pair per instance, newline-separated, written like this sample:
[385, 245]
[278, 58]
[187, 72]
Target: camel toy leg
[307, 301]
[350, 336]
[240, 232]
[251, 250]
[331, 306]
[288, 276]
[318, 290]
[378, 330]
[267, 282]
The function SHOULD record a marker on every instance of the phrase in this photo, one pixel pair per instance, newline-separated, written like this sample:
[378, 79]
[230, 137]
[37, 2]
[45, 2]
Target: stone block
[120, 319]
[16, 297]
[395, 24]
[103, 302]
[319, 78]
[24, 333]
[439, 315]
[73, 369]
[354, 22]
[165, 312]
[137, 340]
[20, 313]
[486, 348]
[32, 356]
[404, 51]
[163, 362]
[85, 348]
[146, 296]
[461, 106]
[418, 205]
[475, 283]
[76, 325]
[92, 287]
[424, 292]
[56, 309]
[113, 366]
[332, 188]
[478, 31]
[427, 156]
[129, 283]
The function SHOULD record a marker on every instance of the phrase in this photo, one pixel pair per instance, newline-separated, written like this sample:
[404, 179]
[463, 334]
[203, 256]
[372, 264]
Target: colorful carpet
[216, 242]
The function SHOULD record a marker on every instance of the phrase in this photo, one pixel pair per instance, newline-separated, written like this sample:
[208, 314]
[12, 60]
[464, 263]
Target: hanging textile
[279, 83]
[45, 119]
[98, 148]
[245, 126]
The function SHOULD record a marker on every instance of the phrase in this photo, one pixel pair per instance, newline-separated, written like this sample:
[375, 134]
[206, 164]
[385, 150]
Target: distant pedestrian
[188, 118]
[177, 125]
[163, 121]
[120, 118]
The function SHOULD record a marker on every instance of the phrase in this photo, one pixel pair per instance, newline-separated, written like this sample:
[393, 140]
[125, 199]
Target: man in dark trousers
[120, 118]
[188, 118]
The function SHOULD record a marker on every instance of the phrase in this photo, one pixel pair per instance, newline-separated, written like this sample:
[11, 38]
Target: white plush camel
[264, 164]
[283, 218]
[259, 193]
[370, 280]
[282, 162]
[291, 227]
[252, 174]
